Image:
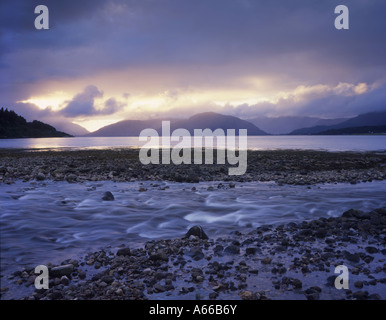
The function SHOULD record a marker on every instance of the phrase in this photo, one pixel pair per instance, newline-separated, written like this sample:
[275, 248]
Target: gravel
[224, 268]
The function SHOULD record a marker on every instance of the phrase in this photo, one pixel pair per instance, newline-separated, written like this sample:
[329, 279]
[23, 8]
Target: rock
[358, 284]
[314, 289]
[312, 296]
[250, 250]
[63, 270]
[159, 255]
[108, 196]
[282, 270]
[64, 280]
[123, 252]
[213, 295]
[322, 233]
[159, 288]
[266, 260]
[198, 232]
[331, 281]
[218, 249]
[159, 275]
[107, 279]
[196, 253]
[247, 295]
[374, 296]
[254, 271]
[197, 275]
[280, 249]
[360, 295]
[353, 257]
[147, 271]
[40, 176]
[371, 250]
[368, 259]
[296, 283]
[352, 213]
[71, 178]
[232, 249]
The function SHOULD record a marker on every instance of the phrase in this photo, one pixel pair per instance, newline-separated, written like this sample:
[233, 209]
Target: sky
[102, 61]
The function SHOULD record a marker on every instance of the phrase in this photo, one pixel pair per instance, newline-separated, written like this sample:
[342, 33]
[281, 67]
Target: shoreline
[288, 261]
[293, 261]
[296, 167]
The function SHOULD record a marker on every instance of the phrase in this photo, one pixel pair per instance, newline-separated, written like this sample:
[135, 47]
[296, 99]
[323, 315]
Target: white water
[53, 221]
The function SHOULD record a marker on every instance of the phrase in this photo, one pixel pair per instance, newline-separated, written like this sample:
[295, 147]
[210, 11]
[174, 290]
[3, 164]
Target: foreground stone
[198, 268]
[293, 167]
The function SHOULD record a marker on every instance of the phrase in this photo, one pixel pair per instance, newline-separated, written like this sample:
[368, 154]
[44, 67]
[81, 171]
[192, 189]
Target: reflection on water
[330, 143]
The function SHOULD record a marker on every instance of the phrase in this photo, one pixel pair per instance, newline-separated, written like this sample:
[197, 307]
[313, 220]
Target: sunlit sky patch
[103, 61]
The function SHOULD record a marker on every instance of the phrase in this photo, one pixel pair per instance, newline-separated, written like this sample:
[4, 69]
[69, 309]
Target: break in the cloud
[107, 60]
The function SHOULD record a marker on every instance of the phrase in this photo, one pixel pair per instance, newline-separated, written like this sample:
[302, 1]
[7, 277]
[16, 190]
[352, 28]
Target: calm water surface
[329, 143]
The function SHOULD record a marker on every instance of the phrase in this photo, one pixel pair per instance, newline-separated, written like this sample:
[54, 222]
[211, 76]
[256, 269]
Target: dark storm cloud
[111, 106]
[204, 32]
[83, 103]
[335, 105]
[30, 111]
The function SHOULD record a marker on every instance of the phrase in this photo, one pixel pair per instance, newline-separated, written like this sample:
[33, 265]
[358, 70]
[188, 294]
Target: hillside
[14, 126]
[286, 124]
[212, 120]
[125, 128]
[355, 130]
[205, 120]
[363, 120]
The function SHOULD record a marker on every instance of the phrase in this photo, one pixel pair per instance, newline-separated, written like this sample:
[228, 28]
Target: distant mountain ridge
[206, 120]
[287, 124]
[14, 126]
[72, 129]
[125, 128]
[355, 130]
[370, 119]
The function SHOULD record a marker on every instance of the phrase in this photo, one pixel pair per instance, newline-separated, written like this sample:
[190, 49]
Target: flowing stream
[50, 221]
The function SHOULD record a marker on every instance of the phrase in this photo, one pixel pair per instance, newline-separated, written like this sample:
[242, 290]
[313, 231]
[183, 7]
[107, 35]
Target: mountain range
[210, 120]
[15, 126]
[287, 124]
[365, 123]
[370, 120]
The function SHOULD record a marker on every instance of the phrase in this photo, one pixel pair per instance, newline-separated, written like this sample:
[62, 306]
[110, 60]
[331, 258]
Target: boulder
[108, 196]
[196, 231]
[63, 270]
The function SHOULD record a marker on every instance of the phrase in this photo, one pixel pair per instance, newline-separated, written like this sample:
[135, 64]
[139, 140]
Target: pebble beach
[292, 261]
